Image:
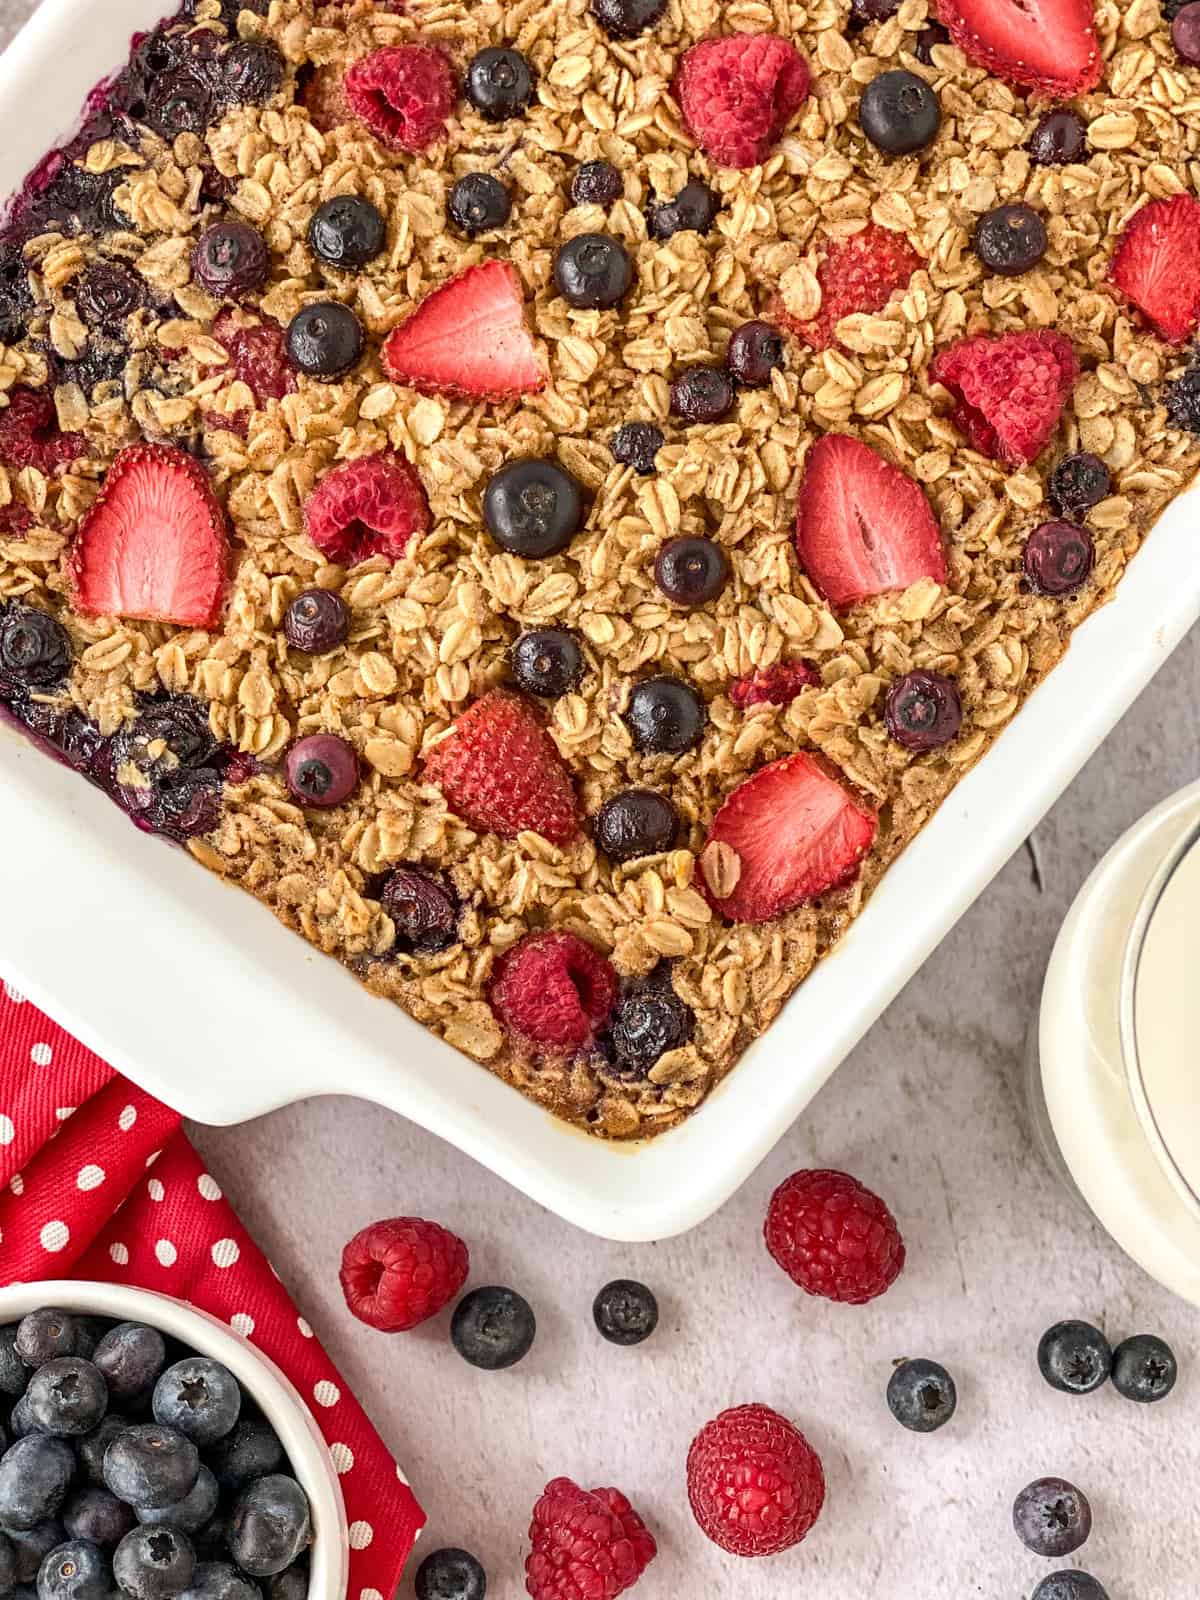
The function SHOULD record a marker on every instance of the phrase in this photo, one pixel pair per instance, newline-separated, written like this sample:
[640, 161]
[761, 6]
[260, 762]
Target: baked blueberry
[1010, 239]
[199, 1397]
[479, 203]
[321, 770]
[921, 1395]
[899, 112]
[92, 1447]
[231, 260]
[754, 352]
[67, 1397]
[666, 716]
[252, 1450]
[691, 571]
[1144, 1368]
[1060, 137]
[593, 271]
[1052, 1517]
[324, 340]
[649, 1020]
[317, 622]
[625, 19]
[154, 1563]
[1078, 483]
[693, 210]
[1185, 35]
[547, 662]
[150, 1465]
[636, 444]
[424, 910]
[35, 1474]
[251, 72]
[1069, 1586]
[596, 183]
[107, 295]
[923, 710]
[1074, 1357]
[1058, 558]
[347, 231]
[180, 101]
[625, 1312]
[168, 734]
[77, 1570]
[269, 1525]
[636, 822]
[221, 1580]
[930, 36]
[493, 1327]
[499, 83]
[195, 1511]
[533, 507]
[35, 653]
[863, 12]
[702, 394]
[97, 1515]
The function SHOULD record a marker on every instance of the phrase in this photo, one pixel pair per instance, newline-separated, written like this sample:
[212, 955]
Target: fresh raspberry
[555, 989]
[773, 686]
[738, 94]
[586, 1545]
[833, 1237]
[371, 506]
[30, 435]
[1010, 390]
[404, 93]
[398, 1273]
[858, 274]
[258, 357]
[755, 1483]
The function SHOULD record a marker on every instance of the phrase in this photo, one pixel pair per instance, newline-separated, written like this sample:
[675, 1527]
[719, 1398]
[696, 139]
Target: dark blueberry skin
[347, 232]
[30, 1549]
[35, 653]
[1010, 239]
[533, 508]
[923, 711]
[14, 1374]
[1058, 558]
[8, 1565]
[547, 662]
[636, 822]
[451, 1575]
[1144, 1369]
[35, 1473]
[635, 445]
[625, 1312]
[220, 1580]
[166, 735]
[1059, 138]
[863, 12]
[107, 295]
[929, 37]
[1074, 1357]
[211, 1544]
[251, 72]
[269, 1525]
[250, 1451]
[596, 183]
[593, 271]
[1182, 399]
[921, 1396]
[92, 1447]
[899, 113]
[649, 1020]
[180, 101]
[1070, 1586]
[231, 260]
[77, 1570]
[666, 716]
[321, 770]
[195, 1511]
[424, 910]
[499, 83]
[754, 352]
[693, 210]
[67, 1397]
[1078, 483]
[151, 1466]
[181, 793]
[317, 622]
[1052, 1517]
[493, 1328]
[625, 19]
[479, 203]
[702, 394]
[200, 1398]
[95, 1514]
[324, 340]
[154, 1563]
[691, 571]
[20, 1422]
[290, 1584]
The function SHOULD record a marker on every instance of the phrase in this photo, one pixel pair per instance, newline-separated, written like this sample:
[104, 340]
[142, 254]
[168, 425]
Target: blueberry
[92, 1447]
[596, 183]
[90, 1332]
[220, 1580]
[533, 508]
[35, 1473]
[20, 1420]
[324, 340]
[666, 716]
[693, 210]
[347, 231]
[154, 1563]
[130, 1358]
[231, 259]
[1078, 483]
[636, 822]
[930, 36]
[479, 203]
[107, 295]
[499, 83]
[1182, 399]
[636, 444]
[1069, 1586]
[77, 1570]
[212, 1543]
[923, 710]
[31, 1548]
[1010, 239]
[1059, 138]
[35, 653]
[493, 1328]
[8, 1566]
[921, 1396]
[702, 394]
[167, 735]
[625, 1311]
[14, 1374]
[195, 1511]
[899, 112]
[547, 662]
[625, 19]
[863, 12]
[451, 1574]
[649, 1020]
[316, 622]
[691, 571]
[1052, 1517]
[754, 352]
[251, 72]
[67, 1397]
[251, 1451]
[269, 1525]
[290, 1584]
[1074, 1357]
[1058, 558]
[200, 1398]
[593, 271]
[151, 1465]
[95, 1514]
[180, 101]
[1144, 1368]
[424, 910]
[321, 770]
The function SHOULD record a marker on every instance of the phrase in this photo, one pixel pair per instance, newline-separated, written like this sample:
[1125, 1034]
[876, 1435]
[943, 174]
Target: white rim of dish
[270, 1388]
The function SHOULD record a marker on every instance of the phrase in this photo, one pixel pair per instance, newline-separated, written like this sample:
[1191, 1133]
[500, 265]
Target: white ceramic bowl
[260, 1378]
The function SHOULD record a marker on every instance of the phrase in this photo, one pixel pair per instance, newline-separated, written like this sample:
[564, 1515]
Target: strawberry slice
[1047, 45]
[1157, 265]
[795, 832]
[468, 338]
[863, 527]
[154, 545]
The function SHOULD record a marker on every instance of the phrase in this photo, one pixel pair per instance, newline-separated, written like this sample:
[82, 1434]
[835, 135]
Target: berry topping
[755, 1484]
[371, 506]
[691, 571]
[753, 353]
[35, 650]
[1144, 1368]
[1157, 265]
[625, 1312]
[251, 72]
[1046, 45]
[625, 19]
[1058, 558]
[533, 508]
[404, 93]
[1182, 399]
[635, 444]
[469, 337]
[77, 1570]
[166, 768]
[230, 260]
[833, 1237]
[1009, 390]
[317, 621]
[479, 203]
[423, 908]
[499, 83]
[921, 1396]
[258, 354]
[1059, 138]
[547, 662]
[1010, 239]
[923, 710]
[106, 295]
[153, 546]
[1052, 1517]
[739, 93]
[930, 36]
[650, 1020]
[1185, 34]
[586, 1545]
[858, 274]
[1078, 483]
[899, 112]
[554, 990]
[399, 1273]
[30, 435]
[702, 394]
[666, 716]
[493, 1328]
[1074, 1357]
[321, 770]
[324, 340]
[1069, 1586]
[596, 183]
[775, 686]
[693, 210]
[636, 822]
[347, 231]
[450, 1574]
[499, 769]
[593, 271]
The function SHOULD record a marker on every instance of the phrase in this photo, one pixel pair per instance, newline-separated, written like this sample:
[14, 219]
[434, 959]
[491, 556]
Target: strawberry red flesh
[468, 337]
[1157, 265]
[1046, 45]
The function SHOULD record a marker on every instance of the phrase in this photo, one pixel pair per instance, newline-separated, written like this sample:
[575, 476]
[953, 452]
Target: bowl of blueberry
[147, 1452]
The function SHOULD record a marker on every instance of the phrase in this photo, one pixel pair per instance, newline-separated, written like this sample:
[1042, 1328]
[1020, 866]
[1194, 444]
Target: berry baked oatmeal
[550, 497]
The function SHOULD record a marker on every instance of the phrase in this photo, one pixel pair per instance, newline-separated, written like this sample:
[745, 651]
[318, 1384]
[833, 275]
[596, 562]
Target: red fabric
[98, 1181]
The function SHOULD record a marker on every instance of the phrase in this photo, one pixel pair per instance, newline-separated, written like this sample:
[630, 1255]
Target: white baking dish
[197, 993]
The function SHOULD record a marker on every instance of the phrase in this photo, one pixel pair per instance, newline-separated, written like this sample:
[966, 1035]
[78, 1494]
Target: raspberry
[554, 989]
[398, 1273]
[738, 94]
[858, 274]
[371, 506]
[586, 1545]
[834, 1237]
[15, 520]
[258, 358]
[776, 686]
[30, 436]
[404, 94]
[1010, 390]
[755, 1483]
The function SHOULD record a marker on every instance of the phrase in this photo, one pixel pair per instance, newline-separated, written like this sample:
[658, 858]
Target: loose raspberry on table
[859, 274]
[833, 1237]
[30, 435]
[587, 1545]
[401, 1272]
[738, 94]
[404, 93]
[371, 506]
[554, 989]
[755, 1484]
[258, 356]
[776, 686]
[1010, 390]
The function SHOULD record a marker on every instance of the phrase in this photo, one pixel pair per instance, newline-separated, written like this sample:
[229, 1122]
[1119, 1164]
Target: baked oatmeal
[549, 497]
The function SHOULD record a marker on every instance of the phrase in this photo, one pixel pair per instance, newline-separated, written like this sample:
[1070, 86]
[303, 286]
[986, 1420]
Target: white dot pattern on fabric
[209, 1188]
[63, 1112]
[342, 1457]
[326, 1393]
[361, 1534]
[119, 1254]
[225, 1253]
[242, 1322]
[152, 1158]
[400, 1475]
[369, 1594]
[15, 995]
[127, 1118]
[166, 1252]
[155, 1190]
[17, 1184]
[90, 1177]
[41, 1055]
[55, 1236]
[305, 1331]
[7, 1131]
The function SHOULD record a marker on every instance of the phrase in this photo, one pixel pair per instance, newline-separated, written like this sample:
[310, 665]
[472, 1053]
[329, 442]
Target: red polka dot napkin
[98, 1181]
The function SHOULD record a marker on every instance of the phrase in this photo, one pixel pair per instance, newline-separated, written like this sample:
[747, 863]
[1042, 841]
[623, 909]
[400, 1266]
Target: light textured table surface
[928, 1110]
